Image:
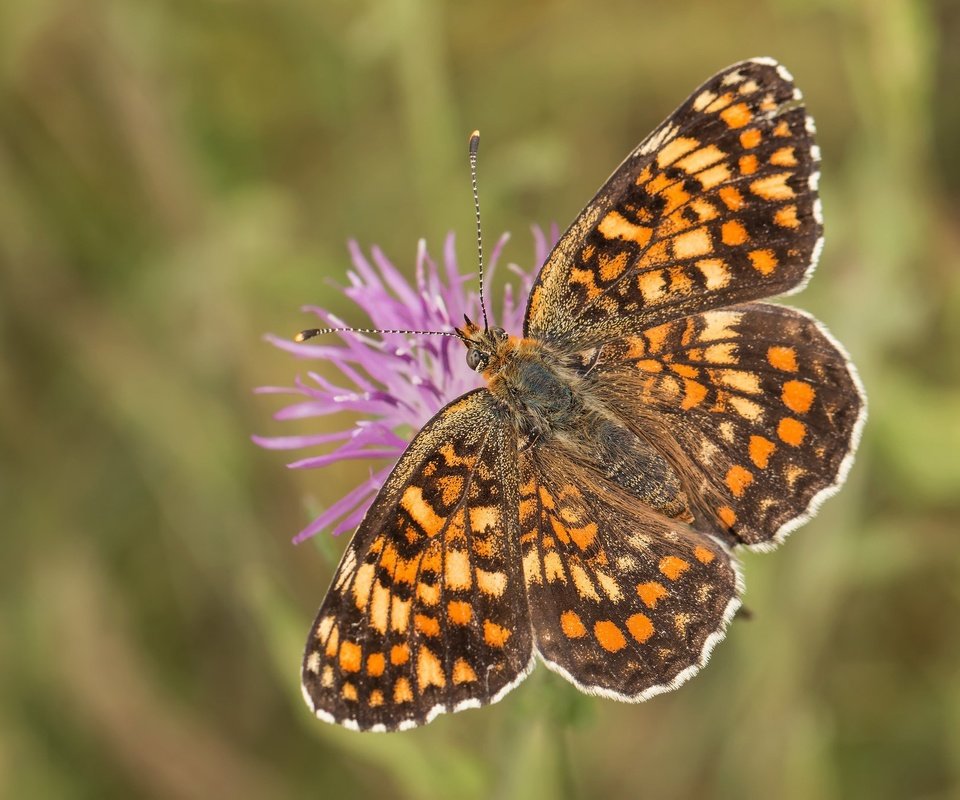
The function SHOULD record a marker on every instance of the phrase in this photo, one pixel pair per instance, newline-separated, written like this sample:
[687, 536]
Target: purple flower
[398, 381]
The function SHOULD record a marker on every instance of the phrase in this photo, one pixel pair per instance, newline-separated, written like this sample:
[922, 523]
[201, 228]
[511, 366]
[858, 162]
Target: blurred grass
[178, 177]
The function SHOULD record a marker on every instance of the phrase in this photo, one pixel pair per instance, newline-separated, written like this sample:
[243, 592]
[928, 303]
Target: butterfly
[584, 506]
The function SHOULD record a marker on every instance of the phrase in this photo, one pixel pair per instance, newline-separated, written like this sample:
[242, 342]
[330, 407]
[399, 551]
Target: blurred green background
[178, 176]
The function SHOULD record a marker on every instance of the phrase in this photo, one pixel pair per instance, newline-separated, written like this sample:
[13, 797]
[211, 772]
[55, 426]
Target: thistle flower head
[396, 381]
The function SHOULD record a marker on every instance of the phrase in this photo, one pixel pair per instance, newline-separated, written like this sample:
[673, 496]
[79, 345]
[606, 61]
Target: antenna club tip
[474, 142]
[300, 337]
[304, 335]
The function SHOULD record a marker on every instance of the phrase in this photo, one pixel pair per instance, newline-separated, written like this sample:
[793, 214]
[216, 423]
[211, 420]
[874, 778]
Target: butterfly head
[486, 347]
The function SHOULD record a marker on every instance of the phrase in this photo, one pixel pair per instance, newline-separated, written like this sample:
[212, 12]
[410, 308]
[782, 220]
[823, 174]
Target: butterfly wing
[761, 400]
[427, 611]
[717, 206]
[624, 602]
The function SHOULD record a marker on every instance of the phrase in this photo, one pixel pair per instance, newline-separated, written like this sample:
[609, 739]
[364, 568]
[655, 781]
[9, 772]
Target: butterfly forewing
[717, 206]
[427, 611]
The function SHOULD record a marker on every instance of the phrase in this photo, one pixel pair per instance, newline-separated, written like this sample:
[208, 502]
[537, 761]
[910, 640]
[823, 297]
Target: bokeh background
[178, 177]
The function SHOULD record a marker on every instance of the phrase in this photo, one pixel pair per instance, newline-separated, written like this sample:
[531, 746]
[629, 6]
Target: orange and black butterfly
[653, 416]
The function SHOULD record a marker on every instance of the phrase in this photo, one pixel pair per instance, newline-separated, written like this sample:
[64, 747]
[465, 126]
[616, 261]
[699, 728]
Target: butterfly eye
[476, 360]
[499, 334]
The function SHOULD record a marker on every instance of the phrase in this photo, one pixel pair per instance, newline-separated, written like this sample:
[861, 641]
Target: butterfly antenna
[311, 332]
[474, 146]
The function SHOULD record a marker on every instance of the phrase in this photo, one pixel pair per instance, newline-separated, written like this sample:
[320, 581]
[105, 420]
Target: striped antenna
[311, 332]
[474, 146]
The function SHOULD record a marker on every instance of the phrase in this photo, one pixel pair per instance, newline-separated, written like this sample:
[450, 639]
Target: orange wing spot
[571, 625]
[421, 511]
[713, 176]
[719, 103]
[459, 612]
[457, 570]
[615, 226]
[746, 408]
[492, 583]
[348, 691]
[553, 567]
[715, 272]
[798, 396]
[584, 536]
[362, 583]
[350, 657]
[451, 487]
[405, 570]
[764, 261]
[380, 607]
[738, 479]
[675, 196]
[645, 174]
[673, 567]
[429, 626]
[399, 613]
[652, 285]
[791, 431]
[375, 699]
[649, 365]
[612, 268]
[611, 638]
[463, 672]
[783, 129]
[675, 148]
[725, 353]
[680, 282]
[736, 116]
[429, 669]
[732, 198]
[484, 517]
[495, 635]
[657, 336]
[782, 358]
[748, 165]
[402, 693]
[760, 451]
[428, 594]
[694, 393]
[685, 370]
[750, 138]
[692, 243]
[651, 592]
[640, 627]
[376, 664]
[585, 278]
[784, 157]
[333, 642]
[745, 382]
[399, 654]
[786, 217]
[546, 499]
[653, 256]
[733, 233]
[583, 583]
[727, 516]
[773, 187]
[701, 159]
[703, 555]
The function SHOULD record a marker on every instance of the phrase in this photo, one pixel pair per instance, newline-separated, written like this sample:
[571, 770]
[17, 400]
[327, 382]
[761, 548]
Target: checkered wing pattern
[759, 397]
[717, 206]
[427, 611]
[624, 602]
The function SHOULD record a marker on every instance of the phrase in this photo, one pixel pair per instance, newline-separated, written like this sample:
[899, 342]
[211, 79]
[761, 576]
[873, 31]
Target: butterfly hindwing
[717, 206]
[759, 397]
[624, 602]
[427, 611]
